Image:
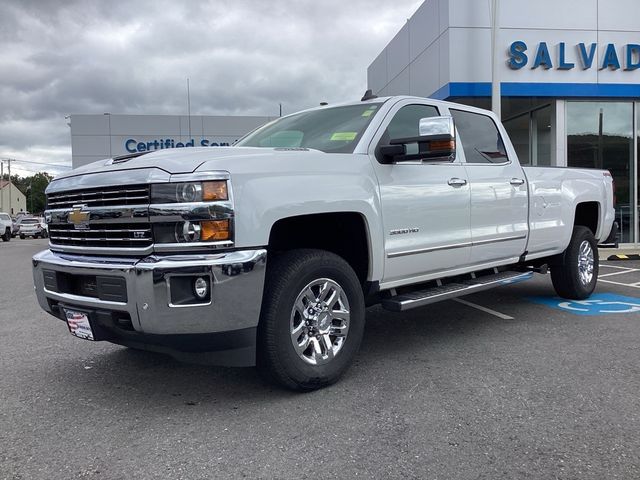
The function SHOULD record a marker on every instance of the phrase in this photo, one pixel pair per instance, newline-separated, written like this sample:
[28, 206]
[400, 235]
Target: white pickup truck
[268, 252]
[6, 225]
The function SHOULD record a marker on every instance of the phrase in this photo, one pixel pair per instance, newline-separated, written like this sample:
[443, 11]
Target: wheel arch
[347, 234]
[587, 214]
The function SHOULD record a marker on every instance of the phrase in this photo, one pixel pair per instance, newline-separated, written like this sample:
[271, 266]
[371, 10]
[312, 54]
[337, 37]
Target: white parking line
[622, 272]
[615, 266]
[633, 285]
[484, 309]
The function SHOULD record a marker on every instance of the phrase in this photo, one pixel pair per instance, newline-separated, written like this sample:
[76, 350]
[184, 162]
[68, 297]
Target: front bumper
[221, 330]
[30, 233]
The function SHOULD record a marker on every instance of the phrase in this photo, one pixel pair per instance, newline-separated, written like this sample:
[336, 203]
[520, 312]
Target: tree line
[33, 188]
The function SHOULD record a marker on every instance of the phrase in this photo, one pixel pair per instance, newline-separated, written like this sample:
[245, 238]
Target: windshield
[330, 130]
[29, 220]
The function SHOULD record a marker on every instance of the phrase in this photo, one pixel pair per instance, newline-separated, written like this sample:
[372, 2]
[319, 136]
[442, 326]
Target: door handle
[516, 181]
[457, 182]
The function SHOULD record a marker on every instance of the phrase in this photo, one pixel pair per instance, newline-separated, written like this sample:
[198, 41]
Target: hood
[176, 160]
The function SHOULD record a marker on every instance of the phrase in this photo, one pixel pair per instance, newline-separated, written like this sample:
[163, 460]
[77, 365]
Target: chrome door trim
[454, 246]
[427, 250]
[498, 240]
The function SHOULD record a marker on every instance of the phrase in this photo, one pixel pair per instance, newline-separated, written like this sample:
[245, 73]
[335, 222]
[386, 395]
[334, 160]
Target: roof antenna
[368, 95]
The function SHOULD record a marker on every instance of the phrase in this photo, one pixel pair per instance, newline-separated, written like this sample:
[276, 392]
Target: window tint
[406, 124]
[406, 121]
[479, 138]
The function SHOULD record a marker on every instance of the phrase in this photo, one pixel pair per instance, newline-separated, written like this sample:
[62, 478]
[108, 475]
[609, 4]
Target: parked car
[30, 227]
[45, 227]
[5, 226]
[267, 252]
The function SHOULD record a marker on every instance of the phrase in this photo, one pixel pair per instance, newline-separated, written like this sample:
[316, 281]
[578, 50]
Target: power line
[49, 164]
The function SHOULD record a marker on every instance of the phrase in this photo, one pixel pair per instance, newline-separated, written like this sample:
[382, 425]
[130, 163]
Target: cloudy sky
[243, 57]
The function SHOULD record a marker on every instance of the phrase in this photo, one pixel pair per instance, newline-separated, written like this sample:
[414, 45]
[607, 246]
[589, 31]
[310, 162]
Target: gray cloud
[242, 57]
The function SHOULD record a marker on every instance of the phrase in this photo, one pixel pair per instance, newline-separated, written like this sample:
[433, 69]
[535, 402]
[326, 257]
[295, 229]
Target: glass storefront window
[600, 135]
[541, 131]
[518, 130]
[530, 134]
[637, 174]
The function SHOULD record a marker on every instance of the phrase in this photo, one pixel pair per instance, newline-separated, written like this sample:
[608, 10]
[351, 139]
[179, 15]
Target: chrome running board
[419, 298]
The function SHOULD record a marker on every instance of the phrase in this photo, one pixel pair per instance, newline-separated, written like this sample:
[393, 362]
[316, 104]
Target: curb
[630, 256]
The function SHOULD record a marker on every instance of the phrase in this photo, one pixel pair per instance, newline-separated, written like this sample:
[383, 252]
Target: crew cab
[267, 252]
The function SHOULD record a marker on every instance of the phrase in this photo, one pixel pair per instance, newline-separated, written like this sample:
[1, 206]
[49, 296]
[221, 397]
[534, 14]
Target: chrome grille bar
[98, 234]
[96, 197]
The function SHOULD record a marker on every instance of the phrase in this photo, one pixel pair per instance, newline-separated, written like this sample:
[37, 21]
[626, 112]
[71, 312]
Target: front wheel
[7, 235]
[22, 237]
[312, 319]
[575, 274]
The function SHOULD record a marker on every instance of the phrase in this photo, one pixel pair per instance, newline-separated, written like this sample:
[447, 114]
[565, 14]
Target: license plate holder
[79, 323]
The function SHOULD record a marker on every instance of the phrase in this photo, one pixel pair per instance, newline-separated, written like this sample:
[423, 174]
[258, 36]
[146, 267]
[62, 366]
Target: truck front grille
[100, 197]
[109, 235]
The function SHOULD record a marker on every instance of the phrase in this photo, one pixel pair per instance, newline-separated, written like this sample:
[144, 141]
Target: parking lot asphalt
[500, 385]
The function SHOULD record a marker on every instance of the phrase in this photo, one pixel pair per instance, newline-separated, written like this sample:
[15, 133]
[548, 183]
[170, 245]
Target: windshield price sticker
[343, 136]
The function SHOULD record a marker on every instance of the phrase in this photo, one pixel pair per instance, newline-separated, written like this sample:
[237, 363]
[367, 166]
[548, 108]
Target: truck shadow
[389, 337]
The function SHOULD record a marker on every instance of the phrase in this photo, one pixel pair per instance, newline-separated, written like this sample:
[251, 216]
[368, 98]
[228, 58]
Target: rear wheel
[312, 319]
[575, 274]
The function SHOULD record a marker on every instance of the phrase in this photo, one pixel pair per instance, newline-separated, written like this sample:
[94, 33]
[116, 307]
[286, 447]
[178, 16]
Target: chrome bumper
[236, 292]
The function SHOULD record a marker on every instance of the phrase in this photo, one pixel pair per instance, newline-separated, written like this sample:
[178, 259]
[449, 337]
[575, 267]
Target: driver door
[425, 205]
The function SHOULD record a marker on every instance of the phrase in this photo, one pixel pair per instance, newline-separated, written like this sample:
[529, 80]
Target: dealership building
[94, 137]
[569, 75]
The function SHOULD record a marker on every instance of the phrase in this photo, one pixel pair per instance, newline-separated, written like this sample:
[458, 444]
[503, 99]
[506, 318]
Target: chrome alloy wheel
[320, 321]
[585, 263]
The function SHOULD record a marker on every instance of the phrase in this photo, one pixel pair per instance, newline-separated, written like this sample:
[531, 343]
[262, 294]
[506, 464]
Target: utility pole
[495, 81]
[1, 180]
[10, 207]
[189, 108]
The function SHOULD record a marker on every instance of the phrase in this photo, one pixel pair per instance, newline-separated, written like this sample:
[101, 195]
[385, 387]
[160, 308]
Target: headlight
[189, 192]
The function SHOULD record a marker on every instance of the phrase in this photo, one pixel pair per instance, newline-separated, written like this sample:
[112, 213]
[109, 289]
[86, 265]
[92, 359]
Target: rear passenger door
[499, 200]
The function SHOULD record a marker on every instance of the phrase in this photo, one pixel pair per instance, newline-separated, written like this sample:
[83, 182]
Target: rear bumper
[137, 308]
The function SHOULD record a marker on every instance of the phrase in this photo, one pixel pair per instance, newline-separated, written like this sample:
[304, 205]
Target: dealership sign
[132, 145]
[583, 55]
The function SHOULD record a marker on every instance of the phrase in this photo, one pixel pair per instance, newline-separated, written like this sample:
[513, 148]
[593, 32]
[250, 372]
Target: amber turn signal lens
[215, 190]
[445, 145]
[212, 230]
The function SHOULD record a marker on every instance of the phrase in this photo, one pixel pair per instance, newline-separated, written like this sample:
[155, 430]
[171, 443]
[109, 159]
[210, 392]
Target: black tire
[565, 271]
[7, 235]
[22, 237]
[288, 275]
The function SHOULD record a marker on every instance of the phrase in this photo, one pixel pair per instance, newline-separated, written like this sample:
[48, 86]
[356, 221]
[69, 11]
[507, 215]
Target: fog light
[201, 287]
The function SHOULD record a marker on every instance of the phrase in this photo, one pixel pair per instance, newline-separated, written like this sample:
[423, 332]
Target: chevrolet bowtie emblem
[78, 218]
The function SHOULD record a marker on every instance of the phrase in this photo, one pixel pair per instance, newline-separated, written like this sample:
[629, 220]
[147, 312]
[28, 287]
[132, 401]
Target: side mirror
[436, 142]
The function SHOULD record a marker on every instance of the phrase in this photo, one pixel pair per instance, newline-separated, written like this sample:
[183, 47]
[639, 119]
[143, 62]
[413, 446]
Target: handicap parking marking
[596, 304]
